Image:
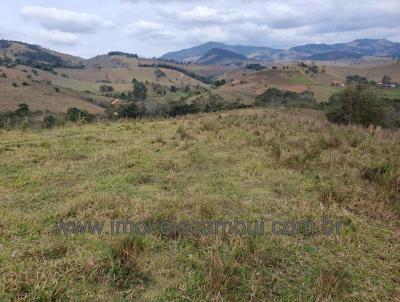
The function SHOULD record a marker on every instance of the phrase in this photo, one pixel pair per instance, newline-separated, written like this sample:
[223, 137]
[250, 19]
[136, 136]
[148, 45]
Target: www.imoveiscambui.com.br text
[326, 226]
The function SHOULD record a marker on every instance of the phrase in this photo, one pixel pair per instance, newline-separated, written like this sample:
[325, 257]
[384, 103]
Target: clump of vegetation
[49, 122]
[106, 90]
[356, 79]
[121, 53]
[219, 83]
[255, 66]
[74, 115]
[274, 97]
[359, 104]
[159, 73]
[123, 269]
[139, 92]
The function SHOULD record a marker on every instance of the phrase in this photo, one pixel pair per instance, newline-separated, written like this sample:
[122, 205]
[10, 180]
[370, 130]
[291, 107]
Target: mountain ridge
[338, 51]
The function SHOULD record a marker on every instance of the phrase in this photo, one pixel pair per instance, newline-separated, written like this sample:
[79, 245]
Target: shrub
[23, 110]
[355, 105]
[274, 97]
[49, 122]
[14, 84]
[139, 91]
[73, 114]
[159, 73]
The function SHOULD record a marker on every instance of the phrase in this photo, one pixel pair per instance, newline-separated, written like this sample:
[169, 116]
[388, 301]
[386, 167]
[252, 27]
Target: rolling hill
[15, 53]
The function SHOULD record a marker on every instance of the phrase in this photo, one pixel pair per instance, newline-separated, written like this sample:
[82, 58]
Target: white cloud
[65, 20]
[205, 14]
[148, 31]
[58, 37]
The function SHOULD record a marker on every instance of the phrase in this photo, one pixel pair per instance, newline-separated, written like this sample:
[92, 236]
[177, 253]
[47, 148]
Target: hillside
[263, 165]
[13, 52]
[44, 97]
[218, 56]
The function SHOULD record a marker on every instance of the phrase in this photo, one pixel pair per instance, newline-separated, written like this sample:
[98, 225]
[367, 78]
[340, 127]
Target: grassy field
[253, 164]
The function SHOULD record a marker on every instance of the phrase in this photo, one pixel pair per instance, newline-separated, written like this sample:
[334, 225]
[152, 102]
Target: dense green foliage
[121, 53]
[356, 79]
[255, 66]
[49, 122]
[274, 97]
[139, 92]
[359, 104]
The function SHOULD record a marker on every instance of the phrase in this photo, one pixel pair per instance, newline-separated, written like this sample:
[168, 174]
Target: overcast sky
[153, 27]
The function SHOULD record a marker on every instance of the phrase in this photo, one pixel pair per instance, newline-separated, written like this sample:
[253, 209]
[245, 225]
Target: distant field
[374, 72]
[251, 165]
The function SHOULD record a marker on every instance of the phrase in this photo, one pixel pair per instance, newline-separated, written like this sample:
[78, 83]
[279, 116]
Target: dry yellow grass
[247, 164]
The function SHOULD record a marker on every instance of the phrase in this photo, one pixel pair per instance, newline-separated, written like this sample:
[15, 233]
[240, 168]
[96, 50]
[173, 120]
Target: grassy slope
[43, 97]
[253, 164]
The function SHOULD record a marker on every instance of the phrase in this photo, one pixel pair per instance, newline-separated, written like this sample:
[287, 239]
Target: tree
[220, 82]
[355, 105]
[106, 89]
[23, 110]
[139, 91]
[131, 110]
[73, 114]
[49, 122]
[386, 80]
[159, 73]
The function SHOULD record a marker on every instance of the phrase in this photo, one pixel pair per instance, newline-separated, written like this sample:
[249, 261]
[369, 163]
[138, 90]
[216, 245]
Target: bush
[139, 91]
[274, 97]
[130, 110]
[355, 105]
[73, 114]
[159, 73]
[49, 122]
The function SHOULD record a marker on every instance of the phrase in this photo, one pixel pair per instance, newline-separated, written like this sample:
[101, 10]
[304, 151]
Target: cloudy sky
[153, 27]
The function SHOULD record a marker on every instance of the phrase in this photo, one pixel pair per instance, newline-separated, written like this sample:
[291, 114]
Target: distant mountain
[217, 56]
[340, 51]
[195, 53]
